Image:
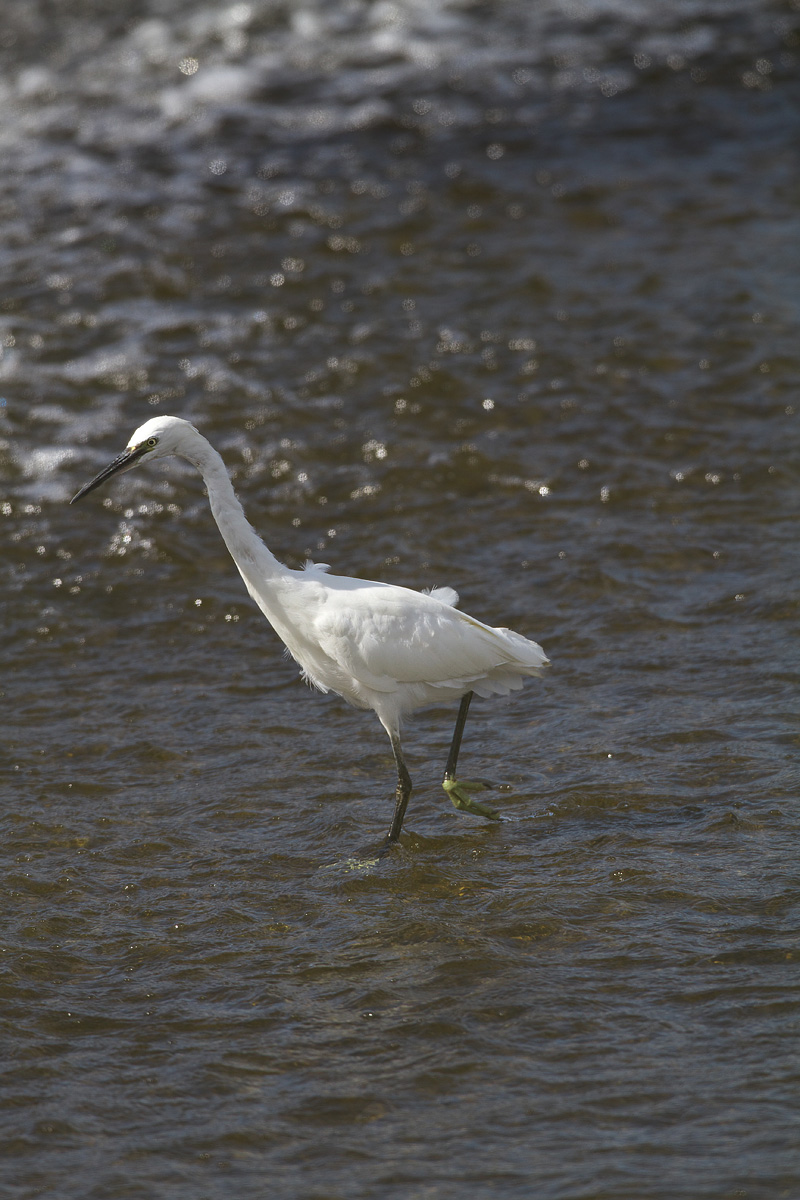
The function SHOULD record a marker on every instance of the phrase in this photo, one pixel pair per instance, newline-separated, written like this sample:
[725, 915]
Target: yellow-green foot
[461, 791]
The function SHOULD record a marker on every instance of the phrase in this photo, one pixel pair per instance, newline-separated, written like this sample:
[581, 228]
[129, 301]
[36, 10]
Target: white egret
[379, 646]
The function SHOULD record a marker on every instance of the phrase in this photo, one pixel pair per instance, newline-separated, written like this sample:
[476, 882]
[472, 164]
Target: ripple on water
[501, 302]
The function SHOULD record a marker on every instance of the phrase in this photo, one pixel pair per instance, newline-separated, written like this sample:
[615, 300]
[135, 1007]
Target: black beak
[123, 462]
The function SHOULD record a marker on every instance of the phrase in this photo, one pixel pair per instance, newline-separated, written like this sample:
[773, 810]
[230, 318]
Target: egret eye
[152, 442]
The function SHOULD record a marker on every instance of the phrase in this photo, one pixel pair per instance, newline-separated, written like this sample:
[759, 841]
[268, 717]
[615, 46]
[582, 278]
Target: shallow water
[502, 298]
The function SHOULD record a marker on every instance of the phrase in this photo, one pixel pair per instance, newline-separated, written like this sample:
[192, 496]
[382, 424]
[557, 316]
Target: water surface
[498, 297]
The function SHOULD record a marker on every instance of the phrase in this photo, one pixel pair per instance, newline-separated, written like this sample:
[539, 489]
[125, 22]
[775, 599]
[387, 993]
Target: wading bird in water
[379, 646]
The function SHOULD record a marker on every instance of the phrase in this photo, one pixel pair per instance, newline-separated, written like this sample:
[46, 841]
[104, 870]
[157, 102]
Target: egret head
[157, 438]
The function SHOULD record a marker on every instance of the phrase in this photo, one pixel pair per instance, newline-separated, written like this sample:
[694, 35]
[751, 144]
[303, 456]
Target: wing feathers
[385, 636]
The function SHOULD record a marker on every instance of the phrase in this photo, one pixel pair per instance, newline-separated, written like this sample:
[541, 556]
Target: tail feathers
[518, 658]
[527, 654]
[497, 683]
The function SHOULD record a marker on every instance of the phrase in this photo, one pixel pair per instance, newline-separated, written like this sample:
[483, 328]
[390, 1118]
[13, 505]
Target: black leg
[461, 791]
[401, 795]
[458, 733]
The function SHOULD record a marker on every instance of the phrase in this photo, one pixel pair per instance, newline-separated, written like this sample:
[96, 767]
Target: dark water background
[498, 296]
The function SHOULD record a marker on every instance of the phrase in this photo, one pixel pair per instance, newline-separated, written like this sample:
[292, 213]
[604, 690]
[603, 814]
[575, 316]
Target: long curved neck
[254, 560]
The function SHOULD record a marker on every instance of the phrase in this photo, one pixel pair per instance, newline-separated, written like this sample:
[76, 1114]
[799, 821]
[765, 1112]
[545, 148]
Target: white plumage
[379, 646]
